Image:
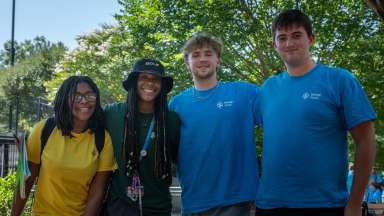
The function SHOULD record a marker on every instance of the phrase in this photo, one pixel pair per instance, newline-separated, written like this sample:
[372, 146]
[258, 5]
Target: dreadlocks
[130, 151]
[64, 101]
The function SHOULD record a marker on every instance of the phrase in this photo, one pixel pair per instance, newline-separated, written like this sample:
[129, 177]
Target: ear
[274, 44]
[187, 63]
[312, 39]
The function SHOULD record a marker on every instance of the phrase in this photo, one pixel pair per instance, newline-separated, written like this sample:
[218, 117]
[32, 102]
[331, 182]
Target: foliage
[7, 187]
[103, 55]
[158, 29]
[35, 63]
[353, 43]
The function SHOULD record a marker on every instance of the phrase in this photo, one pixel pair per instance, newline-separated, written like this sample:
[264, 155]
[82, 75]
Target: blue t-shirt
[376, 178]
[305, 121]
[372, 195]
[217, 163]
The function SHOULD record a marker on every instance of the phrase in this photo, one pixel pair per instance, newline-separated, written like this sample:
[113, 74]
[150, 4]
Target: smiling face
[203, 62]
[84, 104]
[293, 44]
[148, 87]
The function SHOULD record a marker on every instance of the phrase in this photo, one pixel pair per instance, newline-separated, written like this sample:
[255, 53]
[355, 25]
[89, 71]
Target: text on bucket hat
[151, 66]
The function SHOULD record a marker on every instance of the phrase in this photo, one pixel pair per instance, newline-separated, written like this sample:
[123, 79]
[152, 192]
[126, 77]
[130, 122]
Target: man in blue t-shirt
[217, 163]
[306, 112]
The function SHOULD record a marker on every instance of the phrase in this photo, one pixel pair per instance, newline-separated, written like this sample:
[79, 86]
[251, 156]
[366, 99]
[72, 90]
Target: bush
[7, 187]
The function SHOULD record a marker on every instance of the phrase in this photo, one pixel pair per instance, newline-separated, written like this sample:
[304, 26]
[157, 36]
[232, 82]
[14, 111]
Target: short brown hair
[289, 18]
[202, 39]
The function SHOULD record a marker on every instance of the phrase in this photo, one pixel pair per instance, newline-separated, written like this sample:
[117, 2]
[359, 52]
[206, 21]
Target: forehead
[146, 74]
[290, 30]
[202, 48]
[83, 87]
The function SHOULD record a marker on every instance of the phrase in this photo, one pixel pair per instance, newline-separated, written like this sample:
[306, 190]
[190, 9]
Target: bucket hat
[151, 66]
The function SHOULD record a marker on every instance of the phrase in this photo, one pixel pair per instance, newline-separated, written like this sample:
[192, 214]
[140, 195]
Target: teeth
[148, 90]
[84, 109]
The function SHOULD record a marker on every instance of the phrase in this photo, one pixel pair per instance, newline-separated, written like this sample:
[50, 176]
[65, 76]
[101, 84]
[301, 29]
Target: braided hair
[162, 166]
[64, 101]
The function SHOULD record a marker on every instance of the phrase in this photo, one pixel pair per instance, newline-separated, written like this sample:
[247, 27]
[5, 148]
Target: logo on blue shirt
[310, 95]
[222, 104]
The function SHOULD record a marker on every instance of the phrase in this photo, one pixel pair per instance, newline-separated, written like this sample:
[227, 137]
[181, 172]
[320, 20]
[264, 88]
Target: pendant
[143, 153]
[135, 191]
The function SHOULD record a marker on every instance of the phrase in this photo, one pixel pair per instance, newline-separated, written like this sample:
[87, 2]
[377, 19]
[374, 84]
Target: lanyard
[147, 143]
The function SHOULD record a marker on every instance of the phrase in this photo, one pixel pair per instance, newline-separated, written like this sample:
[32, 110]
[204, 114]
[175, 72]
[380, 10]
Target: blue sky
[57, 20]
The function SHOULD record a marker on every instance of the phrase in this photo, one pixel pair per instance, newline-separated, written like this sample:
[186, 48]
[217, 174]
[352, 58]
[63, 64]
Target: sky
[57, 20]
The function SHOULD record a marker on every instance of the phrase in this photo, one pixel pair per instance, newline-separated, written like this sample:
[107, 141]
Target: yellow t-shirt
[67, 169]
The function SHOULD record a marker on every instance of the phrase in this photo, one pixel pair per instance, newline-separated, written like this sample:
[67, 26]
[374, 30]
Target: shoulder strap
[50, 125]
[99, 139]
[46, 132]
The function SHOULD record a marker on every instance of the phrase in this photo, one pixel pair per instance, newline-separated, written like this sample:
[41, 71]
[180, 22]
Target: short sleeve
[355, 103]
[107, 160]
[34, 143]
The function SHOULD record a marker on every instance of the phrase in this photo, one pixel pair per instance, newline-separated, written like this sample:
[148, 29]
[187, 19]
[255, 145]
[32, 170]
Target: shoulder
[107, 137]
[243, 86]
[275, 78]
[38, 127]
[183, 94]
[180, 97]
[336, 72]
[238, 84]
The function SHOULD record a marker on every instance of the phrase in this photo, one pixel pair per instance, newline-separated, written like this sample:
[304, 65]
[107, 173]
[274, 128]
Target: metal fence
[8, 154]
[23, 112]
[15, 117]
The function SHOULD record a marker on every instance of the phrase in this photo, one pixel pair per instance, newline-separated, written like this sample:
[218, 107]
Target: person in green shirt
[145, 137]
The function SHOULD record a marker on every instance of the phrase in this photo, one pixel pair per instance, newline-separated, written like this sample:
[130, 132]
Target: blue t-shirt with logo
[305, 121]
[217, 164]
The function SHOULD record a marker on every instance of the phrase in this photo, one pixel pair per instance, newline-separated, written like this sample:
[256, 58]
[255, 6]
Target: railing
[8, 154]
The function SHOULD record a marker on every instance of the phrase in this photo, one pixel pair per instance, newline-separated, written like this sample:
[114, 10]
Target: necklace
[202, 95]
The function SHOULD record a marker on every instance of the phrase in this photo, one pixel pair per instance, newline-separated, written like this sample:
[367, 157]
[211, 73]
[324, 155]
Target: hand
[352, 210]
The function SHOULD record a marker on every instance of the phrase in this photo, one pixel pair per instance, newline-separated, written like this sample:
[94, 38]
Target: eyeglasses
[90, 97]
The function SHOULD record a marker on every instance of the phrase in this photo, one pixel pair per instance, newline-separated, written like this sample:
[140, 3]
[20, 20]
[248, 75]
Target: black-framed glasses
[90, 97]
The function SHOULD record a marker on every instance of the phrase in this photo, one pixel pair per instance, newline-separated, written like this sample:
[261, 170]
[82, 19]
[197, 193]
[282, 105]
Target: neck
[79, 126]
[301, 69]
[205, 84]
[146, 107]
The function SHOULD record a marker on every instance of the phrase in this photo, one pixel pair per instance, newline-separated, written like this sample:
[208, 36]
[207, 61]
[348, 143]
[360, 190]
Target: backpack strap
[50, 125]
[46, 132]
[99, 139]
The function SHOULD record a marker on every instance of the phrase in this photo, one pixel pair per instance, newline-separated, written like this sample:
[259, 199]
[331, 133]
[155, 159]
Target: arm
[364, 136]
[19, 203]
[97, 193]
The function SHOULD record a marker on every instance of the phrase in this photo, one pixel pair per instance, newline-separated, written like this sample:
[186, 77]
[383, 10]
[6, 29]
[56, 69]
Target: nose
[289, 42]
[83, 100]
[203, 58]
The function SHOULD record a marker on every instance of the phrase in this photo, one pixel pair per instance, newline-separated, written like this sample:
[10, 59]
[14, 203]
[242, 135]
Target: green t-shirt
[157, 198]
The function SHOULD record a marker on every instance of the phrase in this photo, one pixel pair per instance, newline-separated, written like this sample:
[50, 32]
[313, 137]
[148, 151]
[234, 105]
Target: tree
[158, 29]
[354, 43]
[105, 56]
[35, 63]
